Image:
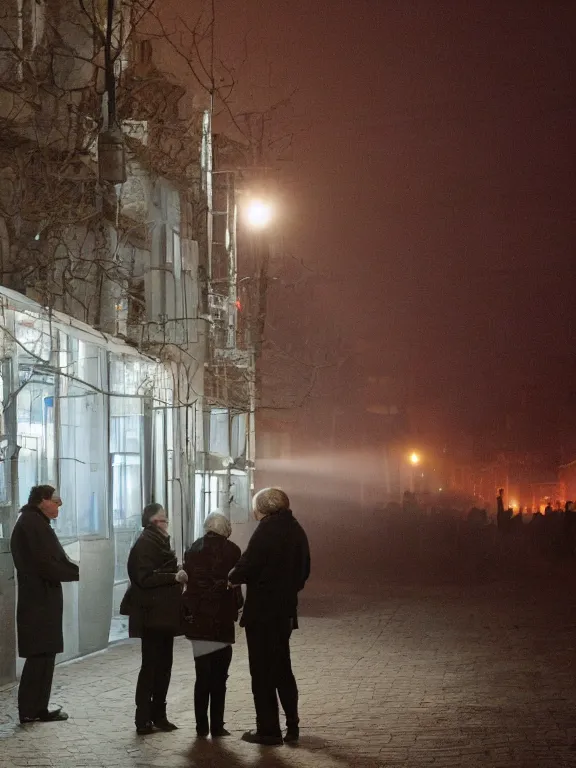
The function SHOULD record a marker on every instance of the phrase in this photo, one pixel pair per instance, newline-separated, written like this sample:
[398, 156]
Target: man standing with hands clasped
[41, 567]
[275, 567]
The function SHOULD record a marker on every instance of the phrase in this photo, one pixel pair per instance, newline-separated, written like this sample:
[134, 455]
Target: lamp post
[257, 215]
[415, 460]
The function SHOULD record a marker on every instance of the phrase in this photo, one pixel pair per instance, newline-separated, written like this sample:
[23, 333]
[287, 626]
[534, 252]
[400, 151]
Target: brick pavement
[469, 676]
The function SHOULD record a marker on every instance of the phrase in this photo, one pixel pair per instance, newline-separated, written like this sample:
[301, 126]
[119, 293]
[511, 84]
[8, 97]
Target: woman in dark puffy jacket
[153, 603]
[211, 609]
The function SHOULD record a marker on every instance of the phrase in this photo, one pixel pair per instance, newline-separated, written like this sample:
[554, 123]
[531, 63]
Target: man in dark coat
[212, 610]
[275, 567]
[41, 567]
[154, 604]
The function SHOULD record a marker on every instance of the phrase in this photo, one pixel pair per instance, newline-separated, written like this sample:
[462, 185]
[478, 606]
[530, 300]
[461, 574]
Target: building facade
[126, 377]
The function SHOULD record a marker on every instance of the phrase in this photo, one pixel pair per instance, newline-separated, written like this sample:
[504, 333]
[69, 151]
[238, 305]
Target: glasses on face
[56, 500]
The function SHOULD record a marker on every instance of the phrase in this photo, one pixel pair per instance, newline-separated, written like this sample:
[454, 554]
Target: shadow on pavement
[220, 754]
[217, 754]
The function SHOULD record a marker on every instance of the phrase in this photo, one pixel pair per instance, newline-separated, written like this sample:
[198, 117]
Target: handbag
[126, 605]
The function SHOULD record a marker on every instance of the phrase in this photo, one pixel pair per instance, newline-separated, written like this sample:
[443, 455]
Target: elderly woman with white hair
[275, 567]
[212, 609]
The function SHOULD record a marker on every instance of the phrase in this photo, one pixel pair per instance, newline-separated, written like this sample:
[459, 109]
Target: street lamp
[258, 213]
[414, 459]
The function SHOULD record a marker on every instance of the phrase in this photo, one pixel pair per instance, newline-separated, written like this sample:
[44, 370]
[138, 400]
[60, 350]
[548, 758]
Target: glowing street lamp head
[259, 213]
[414, 459]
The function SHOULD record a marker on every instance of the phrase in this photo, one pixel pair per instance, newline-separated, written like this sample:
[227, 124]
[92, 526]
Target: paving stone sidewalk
[476, 676]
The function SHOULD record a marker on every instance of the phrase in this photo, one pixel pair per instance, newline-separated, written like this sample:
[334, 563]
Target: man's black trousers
[272, 676]
[36, 685]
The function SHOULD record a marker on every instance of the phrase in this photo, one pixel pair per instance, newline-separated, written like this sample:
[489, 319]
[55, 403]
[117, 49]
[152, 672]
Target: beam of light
[336, 476]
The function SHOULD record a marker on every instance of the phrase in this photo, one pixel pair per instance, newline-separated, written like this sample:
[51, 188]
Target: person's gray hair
[218, 523]
[268, 501]
[150, 510]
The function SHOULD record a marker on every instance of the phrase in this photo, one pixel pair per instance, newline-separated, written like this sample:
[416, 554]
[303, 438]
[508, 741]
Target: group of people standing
[201, 599]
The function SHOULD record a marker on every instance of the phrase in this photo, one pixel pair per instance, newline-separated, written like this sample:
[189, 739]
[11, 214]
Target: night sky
[431, 188]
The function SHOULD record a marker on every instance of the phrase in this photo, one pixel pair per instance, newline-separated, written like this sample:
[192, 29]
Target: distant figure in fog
[477, 517]
[154, 604]
[500, 508]
[409, 502]
[41, 567]
[211, 609]
[569, 526]
[503, 516]
[516, 521]
[275, 567]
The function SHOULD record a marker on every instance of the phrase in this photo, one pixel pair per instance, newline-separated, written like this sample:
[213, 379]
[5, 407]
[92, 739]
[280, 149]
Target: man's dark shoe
[24, 720]
[165, 725]
[145, 730]
[292, 735]
[253, 737]
[202, 734]
[220, 733]
[47, 716]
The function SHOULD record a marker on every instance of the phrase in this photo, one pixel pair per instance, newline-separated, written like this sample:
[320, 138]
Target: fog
[364, 540]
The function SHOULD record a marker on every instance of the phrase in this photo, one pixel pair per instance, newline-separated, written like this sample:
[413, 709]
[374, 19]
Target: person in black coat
[153, 603]
[275, 567]
[41, 567]
[211, 609]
